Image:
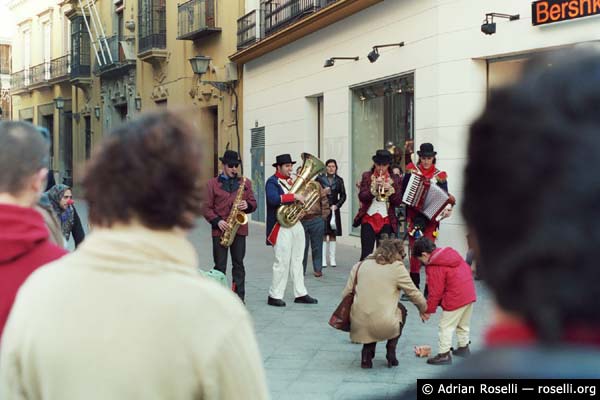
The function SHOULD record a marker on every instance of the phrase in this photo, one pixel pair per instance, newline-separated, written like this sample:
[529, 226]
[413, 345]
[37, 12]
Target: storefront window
[382, 117]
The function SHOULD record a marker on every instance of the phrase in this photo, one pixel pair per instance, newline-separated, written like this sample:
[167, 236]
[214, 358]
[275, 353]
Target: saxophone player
[288, 242]
[221, 195]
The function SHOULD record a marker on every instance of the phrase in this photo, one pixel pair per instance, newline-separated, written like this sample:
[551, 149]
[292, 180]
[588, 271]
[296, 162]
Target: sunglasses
[233, 165]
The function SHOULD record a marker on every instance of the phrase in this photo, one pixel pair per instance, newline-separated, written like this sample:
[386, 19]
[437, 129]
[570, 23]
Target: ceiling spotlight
[331, 61]
[489, 26]
[374, 54]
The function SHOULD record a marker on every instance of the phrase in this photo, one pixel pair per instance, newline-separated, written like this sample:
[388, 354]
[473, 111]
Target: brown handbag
[340, 319]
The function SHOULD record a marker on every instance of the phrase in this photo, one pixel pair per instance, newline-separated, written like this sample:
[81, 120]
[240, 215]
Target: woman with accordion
[419, 224]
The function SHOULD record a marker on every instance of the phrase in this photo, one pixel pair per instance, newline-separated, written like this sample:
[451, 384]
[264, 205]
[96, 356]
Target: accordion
[428, 199]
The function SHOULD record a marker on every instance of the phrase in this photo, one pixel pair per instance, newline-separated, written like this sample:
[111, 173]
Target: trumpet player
[221, 194]
[288, 243]
[379, 194]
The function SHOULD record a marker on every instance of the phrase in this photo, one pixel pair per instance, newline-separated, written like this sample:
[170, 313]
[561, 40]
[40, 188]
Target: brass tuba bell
[289, 214]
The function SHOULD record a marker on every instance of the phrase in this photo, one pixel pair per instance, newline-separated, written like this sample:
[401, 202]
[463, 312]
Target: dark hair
[536, 223]
[23, 152]
[331, 160]
[423, 245]
[149, 169]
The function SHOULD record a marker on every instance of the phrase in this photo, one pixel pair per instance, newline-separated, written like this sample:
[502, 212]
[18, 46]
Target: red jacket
[24, 246]
[220, 195]
[366, 198]
[449, 280]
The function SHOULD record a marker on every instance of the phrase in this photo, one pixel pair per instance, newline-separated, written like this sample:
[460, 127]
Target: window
[152, 25]
[382, 117]
[80, 46]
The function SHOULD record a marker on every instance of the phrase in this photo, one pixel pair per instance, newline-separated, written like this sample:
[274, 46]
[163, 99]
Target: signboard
[550, 11]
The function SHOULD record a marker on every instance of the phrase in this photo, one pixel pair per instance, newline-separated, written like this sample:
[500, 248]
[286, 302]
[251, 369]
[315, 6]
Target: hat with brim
[283, 159]
[382, 157]
[426, 150]
[230, 157]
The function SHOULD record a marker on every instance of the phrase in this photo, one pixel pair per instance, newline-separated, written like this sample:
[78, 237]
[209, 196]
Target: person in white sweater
[127, 316]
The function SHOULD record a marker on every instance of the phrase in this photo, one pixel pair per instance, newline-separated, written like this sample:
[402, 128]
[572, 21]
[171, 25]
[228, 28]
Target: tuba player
[288, 243]
[221, 194]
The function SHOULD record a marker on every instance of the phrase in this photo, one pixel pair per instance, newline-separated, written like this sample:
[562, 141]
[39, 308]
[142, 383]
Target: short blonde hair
[389, 251]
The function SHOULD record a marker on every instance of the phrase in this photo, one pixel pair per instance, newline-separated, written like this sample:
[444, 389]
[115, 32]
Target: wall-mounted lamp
[59, 103]
[374, 54]
[489, 26]
[138, 103]
[200, 64]
[97, 112]
[331, 61]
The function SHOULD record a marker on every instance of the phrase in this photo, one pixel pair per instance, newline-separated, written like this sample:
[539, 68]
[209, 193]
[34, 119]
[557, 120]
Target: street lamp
[330, 62]
[374, 54]
[199, 64]
[97, 112]
[59, 103]
[138, 103]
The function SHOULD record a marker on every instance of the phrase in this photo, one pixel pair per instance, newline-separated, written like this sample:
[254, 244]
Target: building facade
[84, 67]
[427, 86]
[5, 68]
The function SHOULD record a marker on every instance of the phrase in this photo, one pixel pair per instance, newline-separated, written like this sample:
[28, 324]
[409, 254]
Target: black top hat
[283, 159]
[382, 157]
[230, 157]
[426, 150]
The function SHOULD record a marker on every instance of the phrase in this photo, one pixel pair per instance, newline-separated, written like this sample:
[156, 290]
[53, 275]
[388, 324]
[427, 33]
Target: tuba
[288, 215]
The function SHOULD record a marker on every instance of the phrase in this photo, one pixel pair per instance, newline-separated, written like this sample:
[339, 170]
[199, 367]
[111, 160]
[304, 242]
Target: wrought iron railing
[40, 73]
[17, 79]
[152, 25]
[60, 67]
[80, 49]
[194, 16]
[246, 29]
[281, 13]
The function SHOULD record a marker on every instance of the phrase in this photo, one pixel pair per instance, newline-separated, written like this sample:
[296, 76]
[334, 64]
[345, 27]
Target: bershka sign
[550, 11]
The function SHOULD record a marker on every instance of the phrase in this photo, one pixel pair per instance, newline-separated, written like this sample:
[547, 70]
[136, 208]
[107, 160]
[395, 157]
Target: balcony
[119, 59]
[80, 74]
[246, 30]
[285, 21]
[152, 31]
[60, 69]
[196, 19]
[19, 81]
[40, 75]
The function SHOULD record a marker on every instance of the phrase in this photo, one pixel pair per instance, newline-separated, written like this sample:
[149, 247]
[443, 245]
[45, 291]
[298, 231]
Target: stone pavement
[303, 356]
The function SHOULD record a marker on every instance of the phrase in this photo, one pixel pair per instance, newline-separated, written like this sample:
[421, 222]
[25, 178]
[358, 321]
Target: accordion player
[430, 200]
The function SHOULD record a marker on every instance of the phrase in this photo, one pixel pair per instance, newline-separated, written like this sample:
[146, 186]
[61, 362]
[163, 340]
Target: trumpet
[377, 186]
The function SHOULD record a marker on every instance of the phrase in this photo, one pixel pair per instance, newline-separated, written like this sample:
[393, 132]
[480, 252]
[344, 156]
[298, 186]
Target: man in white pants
[288, 243]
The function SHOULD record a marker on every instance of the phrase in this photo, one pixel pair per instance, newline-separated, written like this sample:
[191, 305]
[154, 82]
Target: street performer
[226, 196]
[418, 224]
[288, 243]
[379, 194]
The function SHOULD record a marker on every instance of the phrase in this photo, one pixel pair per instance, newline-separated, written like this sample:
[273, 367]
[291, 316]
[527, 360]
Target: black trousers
[238, 251]
[368, 237]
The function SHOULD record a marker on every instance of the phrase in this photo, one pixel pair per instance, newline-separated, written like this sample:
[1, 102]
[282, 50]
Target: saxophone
[235, 219]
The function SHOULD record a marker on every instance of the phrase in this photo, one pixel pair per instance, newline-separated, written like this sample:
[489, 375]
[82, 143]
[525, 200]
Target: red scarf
[427, 173]
[283, 177]
[517, 333]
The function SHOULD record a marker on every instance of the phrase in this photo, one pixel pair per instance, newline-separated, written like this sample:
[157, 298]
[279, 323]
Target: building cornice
[329, 15]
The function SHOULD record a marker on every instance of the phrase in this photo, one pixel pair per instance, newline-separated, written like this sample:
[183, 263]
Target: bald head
[23, 157]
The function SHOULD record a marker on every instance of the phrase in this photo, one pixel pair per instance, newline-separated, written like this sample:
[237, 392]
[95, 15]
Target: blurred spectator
[60, 198]
[536, 230]
[24, 243]
[376, 314]
[127, 316]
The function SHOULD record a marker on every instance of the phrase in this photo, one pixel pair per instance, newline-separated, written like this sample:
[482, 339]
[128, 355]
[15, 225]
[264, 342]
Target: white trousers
[289, 252]
[458, 320]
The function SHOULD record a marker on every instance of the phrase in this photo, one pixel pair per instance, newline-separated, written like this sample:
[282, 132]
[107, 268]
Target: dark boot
[416, 278]
[441, 359]
[462, 351]
[368, 353]
[391, 352]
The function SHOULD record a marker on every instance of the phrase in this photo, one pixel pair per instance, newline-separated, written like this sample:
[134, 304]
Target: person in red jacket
[24, 238]
[451, 287]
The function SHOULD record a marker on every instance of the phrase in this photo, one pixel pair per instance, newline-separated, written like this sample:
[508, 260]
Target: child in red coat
[450, 286]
